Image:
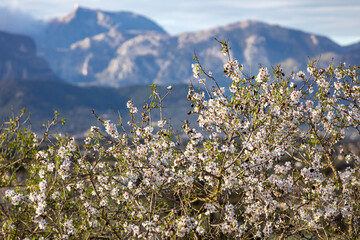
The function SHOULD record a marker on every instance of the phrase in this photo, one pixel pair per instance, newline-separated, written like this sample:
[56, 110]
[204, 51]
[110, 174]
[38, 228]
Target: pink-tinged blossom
[9, 193]
[63, 152]
[262, 75]
[15, 200]
[161, 123]
[195, 67]
[87, 140]
[311, 70]
[338, 85]
[210, 208]
[129, 104]
[40, 209]
[71, 144]
[321, 81]
[338, 75]
[42, 173]
[43, 185]
[64, 169]
[111, 129]
[202, 80]
[267, 229]
[308, 104]
[295, 96]
[300, 74]
[42, 155]
[133, 110]
[69, 229]
[184, 225]
[103, 203]
[55, 195]
[200, 230]
[233, 88]
[42, 224]
[50, 167]
[94, 129]
[80, 185]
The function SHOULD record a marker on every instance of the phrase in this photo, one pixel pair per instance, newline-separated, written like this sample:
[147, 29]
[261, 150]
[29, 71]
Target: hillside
[19, 60]
[75, 104]
[27, 81]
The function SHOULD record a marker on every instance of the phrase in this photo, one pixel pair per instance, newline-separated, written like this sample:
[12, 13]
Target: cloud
[15, 21]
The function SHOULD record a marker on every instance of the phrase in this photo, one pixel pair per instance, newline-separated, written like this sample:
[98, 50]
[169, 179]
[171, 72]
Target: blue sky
[337, 19]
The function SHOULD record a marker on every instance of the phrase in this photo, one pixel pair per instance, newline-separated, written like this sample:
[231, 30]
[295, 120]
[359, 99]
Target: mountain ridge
[85, 22]
[19, 59]
[109, 55]
[259, 45]
[91, 47]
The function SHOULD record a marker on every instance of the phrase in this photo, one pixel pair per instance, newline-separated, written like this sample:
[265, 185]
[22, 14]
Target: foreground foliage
[261, 163]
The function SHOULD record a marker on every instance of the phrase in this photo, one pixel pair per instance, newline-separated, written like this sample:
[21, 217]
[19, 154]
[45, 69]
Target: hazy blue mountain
[75, 103]
[93, 47]
[352, 57]
[18, 58]
[81, 44]
[27, 81]
[352, 47]
[83, 22]
[167, 59]
[352, 54]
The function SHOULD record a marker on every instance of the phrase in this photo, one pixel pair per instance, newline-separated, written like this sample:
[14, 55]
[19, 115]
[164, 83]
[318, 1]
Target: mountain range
[94, 47]
[19, 60]
[93, 59]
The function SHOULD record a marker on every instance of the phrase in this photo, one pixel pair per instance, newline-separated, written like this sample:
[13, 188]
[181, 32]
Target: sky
[336, 19]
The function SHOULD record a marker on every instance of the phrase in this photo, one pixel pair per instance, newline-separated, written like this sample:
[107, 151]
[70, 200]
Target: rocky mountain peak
[81, 23]
[70, 16]
[96, 47]
[121, 20]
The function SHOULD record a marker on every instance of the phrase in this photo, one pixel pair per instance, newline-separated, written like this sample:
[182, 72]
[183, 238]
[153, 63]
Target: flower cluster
[111, 129]
[263, 75]
[262, 162]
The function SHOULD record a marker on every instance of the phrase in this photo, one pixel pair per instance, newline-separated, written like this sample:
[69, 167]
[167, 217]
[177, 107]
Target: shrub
[260, 164]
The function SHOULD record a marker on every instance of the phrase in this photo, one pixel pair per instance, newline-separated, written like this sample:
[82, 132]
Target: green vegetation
[261, 164]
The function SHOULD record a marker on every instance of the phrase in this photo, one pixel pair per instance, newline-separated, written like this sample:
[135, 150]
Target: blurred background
[75, 56]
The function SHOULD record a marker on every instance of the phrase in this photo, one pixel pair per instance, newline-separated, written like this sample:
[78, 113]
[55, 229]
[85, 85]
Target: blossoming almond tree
[260, 163]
